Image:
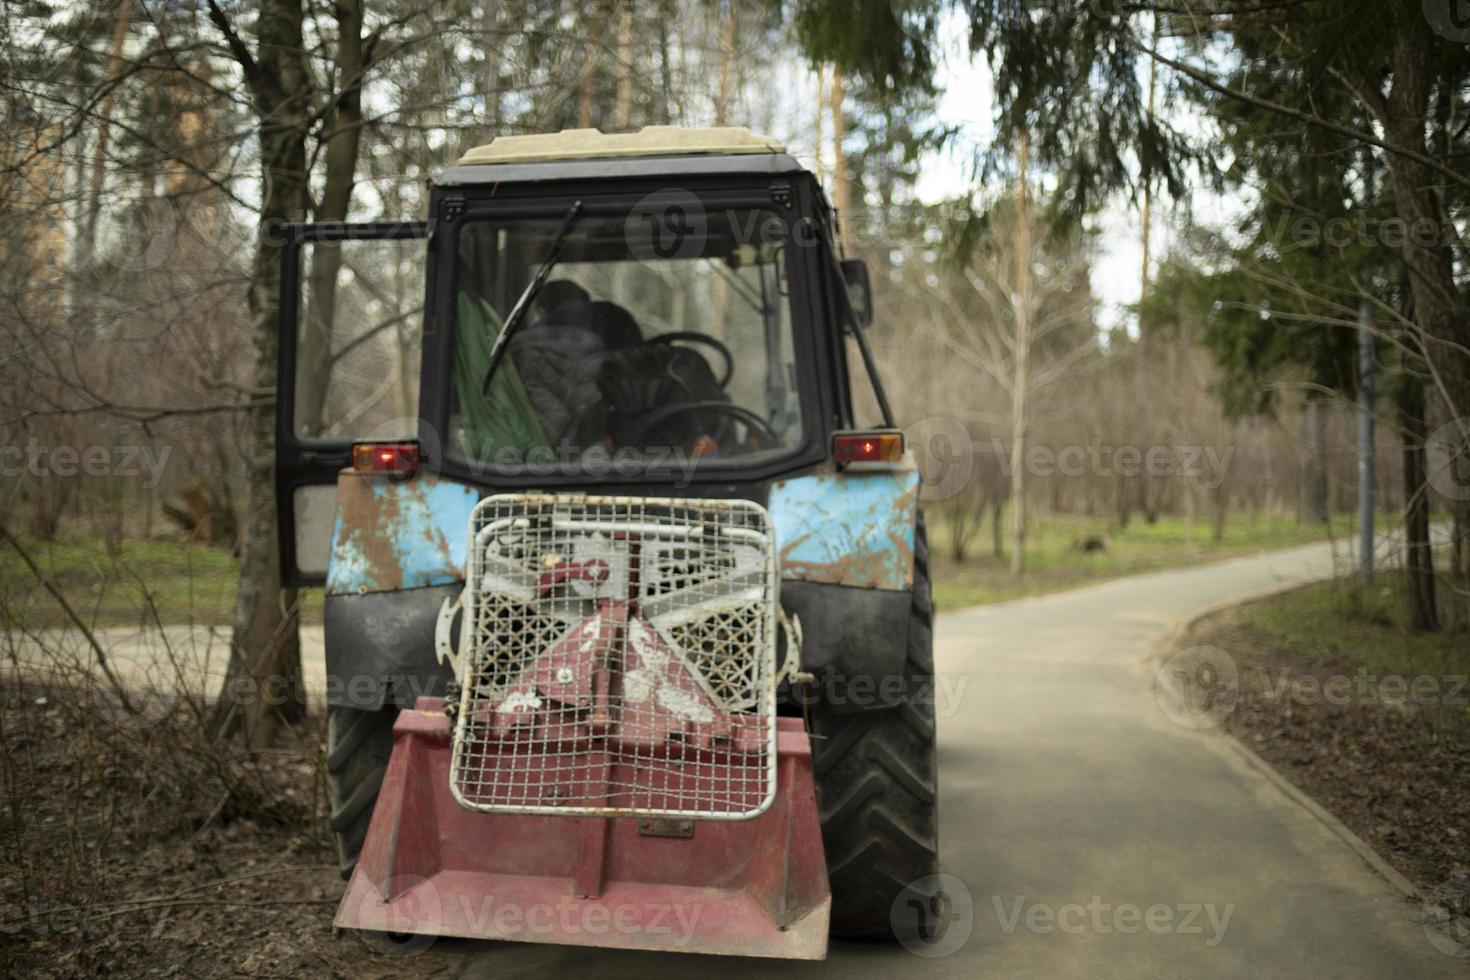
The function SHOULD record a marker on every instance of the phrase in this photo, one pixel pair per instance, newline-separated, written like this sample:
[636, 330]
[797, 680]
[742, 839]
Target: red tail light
[388, 458]
[868, 447]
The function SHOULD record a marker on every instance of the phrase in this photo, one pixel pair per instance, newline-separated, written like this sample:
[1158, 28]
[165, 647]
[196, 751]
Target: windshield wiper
[518, 312]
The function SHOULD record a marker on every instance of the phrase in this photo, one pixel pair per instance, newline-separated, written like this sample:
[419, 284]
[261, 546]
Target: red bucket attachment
[430, 866]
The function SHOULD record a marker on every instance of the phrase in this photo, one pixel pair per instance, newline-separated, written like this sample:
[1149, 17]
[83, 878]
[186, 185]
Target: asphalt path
[1088, 833]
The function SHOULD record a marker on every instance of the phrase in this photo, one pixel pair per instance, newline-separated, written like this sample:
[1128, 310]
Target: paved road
[1094, 837]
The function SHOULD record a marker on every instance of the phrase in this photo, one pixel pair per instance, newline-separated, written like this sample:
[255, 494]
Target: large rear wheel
[878, 795]
[358, 746]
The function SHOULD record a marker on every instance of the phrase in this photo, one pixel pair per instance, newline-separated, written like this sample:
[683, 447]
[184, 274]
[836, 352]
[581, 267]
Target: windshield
[656, 340]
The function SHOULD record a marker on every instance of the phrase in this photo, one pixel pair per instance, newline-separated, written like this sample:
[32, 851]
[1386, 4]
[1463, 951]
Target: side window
[359, 342]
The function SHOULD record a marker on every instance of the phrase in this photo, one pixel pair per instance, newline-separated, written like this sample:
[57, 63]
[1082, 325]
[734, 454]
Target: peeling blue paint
[848, 528]
[348, 567]
[398, 535]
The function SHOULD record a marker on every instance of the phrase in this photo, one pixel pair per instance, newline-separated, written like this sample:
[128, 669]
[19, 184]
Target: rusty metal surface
[398, 534]
[431, 867]
[618, 658]
[847, 528]
[665, 827]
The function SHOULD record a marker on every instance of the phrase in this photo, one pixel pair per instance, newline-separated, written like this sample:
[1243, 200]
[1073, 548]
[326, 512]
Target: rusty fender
[392, 535]
[846, 547]
[398, 550]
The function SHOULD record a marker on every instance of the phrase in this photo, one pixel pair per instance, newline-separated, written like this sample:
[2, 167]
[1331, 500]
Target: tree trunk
[343, 138]
[1441, 311]
[88, 237]
[958, 533]
[1221, 500]
[263, 681]
[82, 301]
[1021, 382]
[1418, 555]
[1459, 551]
[820, 102]
[1122, 504]
[1142, 426]
[623, 116]
[729, 36]
[586, 87]
[490, 79]
[841, 189]
[1313, 507]
[966, 516]
[667, 15]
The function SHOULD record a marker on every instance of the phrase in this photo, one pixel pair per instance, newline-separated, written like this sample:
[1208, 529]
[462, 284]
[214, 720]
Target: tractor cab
[576, 462]
[674, 323]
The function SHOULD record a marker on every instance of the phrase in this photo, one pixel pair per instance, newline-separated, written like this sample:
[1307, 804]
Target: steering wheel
[691, 337]
[766, 437]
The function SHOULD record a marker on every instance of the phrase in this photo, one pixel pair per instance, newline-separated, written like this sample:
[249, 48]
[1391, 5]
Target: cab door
[352, 320]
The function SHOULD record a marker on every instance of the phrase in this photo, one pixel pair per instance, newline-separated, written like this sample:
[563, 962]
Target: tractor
[627, 614]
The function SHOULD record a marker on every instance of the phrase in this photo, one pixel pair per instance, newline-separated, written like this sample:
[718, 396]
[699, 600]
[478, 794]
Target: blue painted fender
[852, 527]
[395, 535]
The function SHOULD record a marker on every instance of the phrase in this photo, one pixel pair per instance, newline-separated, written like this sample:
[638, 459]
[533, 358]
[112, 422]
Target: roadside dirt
[124, 860]
[1394, 769]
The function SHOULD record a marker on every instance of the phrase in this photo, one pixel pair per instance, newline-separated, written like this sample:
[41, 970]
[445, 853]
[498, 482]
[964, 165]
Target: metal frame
[455, 206]
[314, 462]
[495, 691]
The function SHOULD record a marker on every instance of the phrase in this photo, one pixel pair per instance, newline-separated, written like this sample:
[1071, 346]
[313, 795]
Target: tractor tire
[877, 794]
[358, 746]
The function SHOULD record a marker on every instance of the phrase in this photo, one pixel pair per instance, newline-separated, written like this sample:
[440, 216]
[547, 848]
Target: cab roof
[593, 144]
[590, 153]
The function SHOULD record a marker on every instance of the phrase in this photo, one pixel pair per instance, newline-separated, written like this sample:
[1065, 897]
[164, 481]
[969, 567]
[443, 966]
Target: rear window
[650, 346]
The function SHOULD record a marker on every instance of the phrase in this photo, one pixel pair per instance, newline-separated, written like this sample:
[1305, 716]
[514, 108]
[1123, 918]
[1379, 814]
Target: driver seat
[639, 380]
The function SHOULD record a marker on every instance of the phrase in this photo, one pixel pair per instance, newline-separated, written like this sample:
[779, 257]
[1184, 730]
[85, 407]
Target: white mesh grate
[618, 658]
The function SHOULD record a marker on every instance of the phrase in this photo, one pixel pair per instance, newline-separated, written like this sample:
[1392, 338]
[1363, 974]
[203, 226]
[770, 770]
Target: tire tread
[358, 746]
[877, 788]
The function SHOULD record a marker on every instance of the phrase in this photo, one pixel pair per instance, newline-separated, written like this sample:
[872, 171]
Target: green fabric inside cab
[489, 425]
